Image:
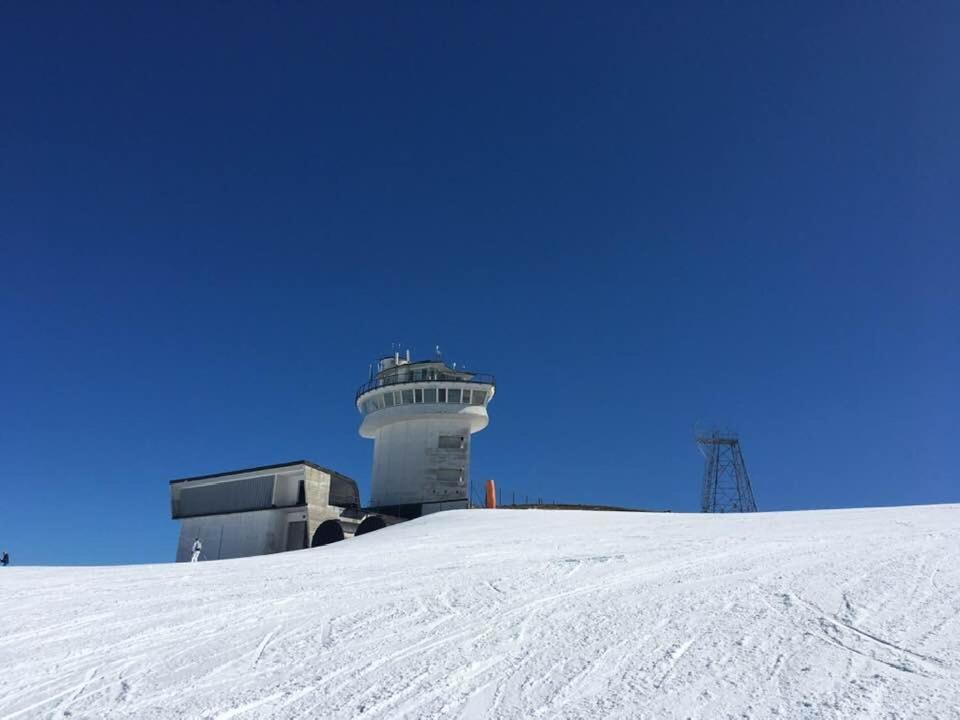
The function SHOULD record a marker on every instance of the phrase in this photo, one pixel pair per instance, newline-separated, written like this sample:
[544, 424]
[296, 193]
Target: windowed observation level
[378, 397]
[429, 382]
[437, 389]
[420, 416]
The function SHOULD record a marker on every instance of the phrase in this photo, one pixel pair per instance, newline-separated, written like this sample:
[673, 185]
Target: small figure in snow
[197, 549]
[4, 559]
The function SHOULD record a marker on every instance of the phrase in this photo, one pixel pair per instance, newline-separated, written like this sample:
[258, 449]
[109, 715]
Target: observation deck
[403, 390]
[426, 382]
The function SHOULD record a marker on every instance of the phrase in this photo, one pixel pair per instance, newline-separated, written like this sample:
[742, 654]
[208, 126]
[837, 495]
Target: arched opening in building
[371, 523]
[327, 532]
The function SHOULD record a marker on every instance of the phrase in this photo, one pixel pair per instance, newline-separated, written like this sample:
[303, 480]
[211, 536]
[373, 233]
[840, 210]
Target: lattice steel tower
[726, 485]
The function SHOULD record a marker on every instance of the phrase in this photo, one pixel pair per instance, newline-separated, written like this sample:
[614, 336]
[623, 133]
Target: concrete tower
[420, 416]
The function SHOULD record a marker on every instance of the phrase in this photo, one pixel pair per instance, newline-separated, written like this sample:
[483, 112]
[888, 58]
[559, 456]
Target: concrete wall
[237, 535]
[409, 465]
[284, 490]
[237, 528]
[317, 486]
[437, 507]
[287, 487]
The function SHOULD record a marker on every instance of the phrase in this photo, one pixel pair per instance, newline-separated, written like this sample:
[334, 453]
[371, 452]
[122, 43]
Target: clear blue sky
[214, 217]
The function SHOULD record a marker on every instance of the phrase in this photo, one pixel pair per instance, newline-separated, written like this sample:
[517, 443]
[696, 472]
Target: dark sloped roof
[275, 466]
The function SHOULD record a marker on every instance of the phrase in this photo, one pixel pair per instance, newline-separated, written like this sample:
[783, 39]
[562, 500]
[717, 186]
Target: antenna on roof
[439, 354]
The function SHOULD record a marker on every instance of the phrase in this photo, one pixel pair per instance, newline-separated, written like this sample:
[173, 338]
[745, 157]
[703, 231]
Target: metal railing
[376, 383]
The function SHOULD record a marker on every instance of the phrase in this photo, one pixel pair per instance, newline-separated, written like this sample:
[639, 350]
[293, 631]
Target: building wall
[437, 507]
[317, 486]
[253, 512]
[259, 532]
[239, 492]
[287, 487]
[410, 466]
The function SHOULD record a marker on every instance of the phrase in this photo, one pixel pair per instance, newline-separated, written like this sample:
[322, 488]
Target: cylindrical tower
[420, 416]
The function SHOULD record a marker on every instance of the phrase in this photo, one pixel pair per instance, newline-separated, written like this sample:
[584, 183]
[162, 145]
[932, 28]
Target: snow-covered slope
[512, 614]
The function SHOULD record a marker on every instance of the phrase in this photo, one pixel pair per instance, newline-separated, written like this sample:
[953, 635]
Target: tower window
[388, 399]
[430, 395]
[478, 397]
[418, 395]
[453, 395]
[408, 397]
[451, 442]
[441, 395]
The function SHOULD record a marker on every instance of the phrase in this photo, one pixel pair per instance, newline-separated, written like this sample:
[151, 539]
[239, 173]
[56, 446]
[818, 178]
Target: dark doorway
[296, 535]
[371, 523]
[328, 532]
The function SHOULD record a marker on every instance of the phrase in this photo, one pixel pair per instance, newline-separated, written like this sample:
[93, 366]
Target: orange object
[491, 494]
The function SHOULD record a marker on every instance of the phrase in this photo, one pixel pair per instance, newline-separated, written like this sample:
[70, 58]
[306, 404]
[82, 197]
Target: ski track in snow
[512, 614]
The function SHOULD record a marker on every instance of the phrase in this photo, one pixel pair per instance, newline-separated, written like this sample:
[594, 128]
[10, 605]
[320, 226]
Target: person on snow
[4, 559]
[197, 549]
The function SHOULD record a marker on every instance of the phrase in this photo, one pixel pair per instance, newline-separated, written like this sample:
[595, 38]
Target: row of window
[430, 396]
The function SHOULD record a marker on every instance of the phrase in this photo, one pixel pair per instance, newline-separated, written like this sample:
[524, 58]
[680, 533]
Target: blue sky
[213, 218]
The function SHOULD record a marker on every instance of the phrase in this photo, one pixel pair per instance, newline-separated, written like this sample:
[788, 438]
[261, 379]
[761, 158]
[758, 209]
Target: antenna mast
[726, 485]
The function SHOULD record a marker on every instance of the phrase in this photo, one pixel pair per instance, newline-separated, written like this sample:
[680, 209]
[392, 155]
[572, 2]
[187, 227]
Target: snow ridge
[512, 614]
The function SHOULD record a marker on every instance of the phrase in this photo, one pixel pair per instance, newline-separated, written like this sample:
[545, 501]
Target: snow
[512, 614]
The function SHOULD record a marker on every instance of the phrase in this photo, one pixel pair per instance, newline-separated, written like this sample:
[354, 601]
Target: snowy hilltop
[512, 614]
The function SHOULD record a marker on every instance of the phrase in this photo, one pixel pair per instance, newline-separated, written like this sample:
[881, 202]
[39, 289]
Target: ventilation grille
[254, 493]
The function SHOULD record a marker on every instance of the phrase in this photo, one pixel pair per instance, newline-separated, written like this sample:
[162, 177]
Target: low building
[267, 509]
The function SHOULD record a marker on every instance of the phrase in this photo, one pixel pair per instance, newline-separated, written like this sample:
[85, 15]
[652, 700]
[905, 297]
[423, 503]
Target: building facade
[262, 510]
[421, 416]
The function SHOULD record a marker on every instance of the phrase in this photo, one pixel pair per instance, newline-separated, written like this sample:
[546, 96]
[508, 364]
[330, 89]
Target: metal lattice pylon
[726, 485]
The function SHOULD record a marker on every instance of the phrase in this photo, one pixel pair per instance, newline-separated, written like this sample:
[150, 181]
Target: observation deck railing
[389, 381]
